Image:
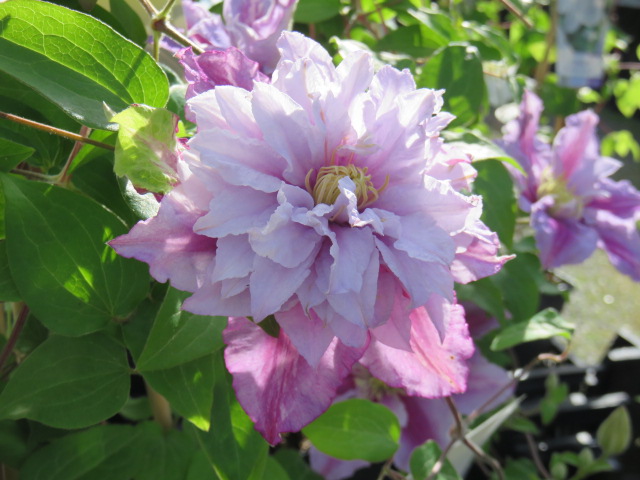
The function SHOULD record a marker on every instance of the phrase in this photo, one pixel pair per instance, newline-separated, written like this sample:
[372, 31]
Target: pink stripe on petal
[275, 385]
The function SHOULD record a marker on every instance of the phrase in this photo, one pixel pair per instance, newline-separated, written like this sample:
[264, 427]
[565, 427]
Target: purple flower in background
[325, 202]
[575, 207]
[422, 418]
[252, 26]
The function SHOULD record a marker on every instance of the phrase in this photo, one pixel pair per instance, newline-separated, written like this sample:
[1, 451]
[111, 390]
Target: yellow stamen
[326, 188]
[566, 202]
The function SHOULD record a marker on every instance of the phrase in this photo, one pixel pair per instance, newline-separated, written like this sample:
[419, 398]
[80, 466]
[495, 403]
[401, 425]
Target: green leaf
[620, 144]
[297, 469]
[13, 442]
[423, 459]
[356, 429]
[136, 409]
[458, 69]
[614, 434]
[477, 146]
[69, 382]
[519, 287]
[485, 294]
[178, 337]
[106, 452]
[314, 11]
[556, 394]
[147, 147]
[97, 180]
[545, 324]
[627, 93]
[233, 449]
[522, 424]
[76, 61]
[56, 244]
[11, 154]
[167, 457]
[8, 290]
[496, 187]
[414, 40]
[274, 471]
[188, 388]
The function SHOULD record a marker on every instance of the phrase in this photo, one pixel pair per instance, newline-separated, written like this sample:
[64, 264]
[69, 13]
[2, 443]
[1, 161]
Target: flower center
[326, 189]
[566, 204]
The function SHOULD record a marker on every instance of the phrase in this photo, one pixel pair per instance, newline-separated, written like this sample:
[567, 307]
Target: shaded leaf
[56, 244]
[69, 382]
[178, 336]
[233, 449]
[188, 388]
[106, 452]
[423, 460]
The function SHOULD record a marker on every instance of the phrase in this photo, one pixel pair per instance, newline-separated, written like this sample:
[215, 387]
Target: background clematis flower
[422, 418]
[575, 207]
[252, 26]
[320, 204]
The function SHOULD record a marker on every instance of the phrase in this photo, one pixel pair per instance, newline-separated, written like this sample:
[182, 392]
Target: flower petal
[433, 369]
[275, 385]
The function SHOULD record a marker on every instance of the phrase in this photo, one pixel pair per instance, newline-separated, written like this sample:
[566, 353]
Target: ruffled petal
[275, 385]
[561, 241]
[433, 369]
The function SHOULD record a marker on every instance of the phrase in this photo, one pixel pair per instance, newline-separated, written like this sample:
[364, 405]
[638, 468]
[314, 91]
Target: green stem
[513, 9]
[55, 131]
[164, 13]
[15, 334]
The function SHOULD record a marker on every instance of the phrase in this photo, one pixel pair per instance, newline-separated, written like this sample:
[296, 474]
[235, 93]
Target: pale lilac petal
[621, 240]
[520, 139]
[477, 255]
[577, 151]
[620, 198]
[271, 285]
[270, 240]
[274, 384]
[218, 67]
[433, 369]
[239, 160]
[235, 211]
[287, 130]
[420, 279]
[307, 332]
[233, 258]
[209, 300]
[429, 419]
[168, 243]
[561, 241]
[396, 331]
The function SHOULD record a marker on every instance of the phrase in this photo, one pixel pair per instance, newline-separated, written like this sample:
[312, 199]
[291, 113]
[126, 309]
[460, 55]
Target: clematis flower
[326, 203]
[252, 26]
[575, 207]
[421, 418]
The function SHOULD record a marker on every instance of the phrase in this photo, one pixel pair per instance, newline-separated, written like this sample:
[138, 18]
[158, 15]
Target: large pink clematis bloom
[326, 202]
[575, 207]
[252, 26]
